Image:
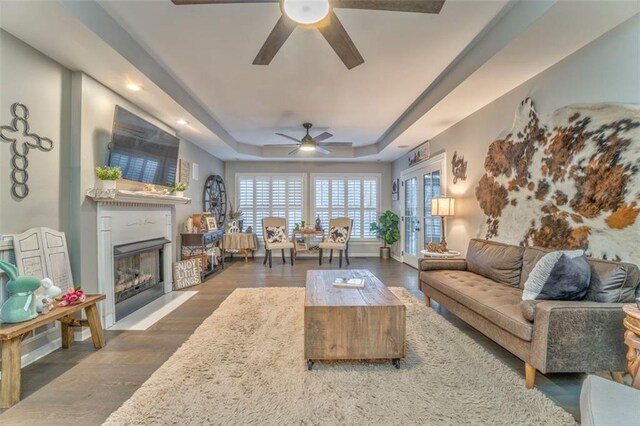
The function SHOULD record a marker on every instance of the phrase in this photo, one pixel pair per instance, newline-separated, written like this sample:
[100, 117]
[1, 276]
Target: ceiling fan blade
[339, 40]
[419, 6]
[182, 2]
[322, 136]
[274, 42]
[322, 150]
[281, 145]
[294, 151]
[288, 137]
[338, 144]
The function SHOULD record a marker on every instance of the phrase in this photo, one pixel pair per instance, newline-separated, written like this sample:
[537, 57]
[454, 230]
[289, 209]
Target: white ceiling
[194, 62]
[209, 49]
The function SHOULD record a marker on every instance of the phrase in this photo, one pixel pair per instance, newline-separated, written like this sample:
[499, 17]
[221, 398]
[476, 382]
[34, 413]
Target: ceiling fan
[319, 14]
[308, 143]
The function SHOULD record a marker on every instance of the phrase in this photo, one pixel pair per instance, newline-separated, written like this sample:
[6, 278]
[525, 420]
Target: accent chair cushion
[604, 402]
[276, 234]
[559, 275]
[338, 234]
[499, 262]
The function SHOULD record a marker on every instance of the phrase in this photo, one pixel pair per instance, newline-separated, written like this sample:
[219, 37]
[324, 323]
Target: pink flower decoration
[73, 299]
[79, 293]
[64, 296]
[63, 303]
[82, 298]
[71, 290]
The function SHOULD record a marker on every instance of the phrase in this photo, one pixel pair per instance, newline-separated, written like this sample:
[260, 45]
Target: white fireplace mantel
[124, 197]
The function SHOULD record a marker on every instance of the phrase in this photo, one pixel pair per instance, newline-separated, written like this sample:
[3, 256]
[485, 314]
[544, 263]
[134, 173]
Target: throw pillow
[339, 234]
[276, 234]
[559, 275]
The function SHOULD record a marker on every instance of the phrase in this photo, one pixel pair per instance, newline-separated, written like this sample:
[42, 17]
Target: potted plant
[179, 188]
[107, 176]
[387, 229]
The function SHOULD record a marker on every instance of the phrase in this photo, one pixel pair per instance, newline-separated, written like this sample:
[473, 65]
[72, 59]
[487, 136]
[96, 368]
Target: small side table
[436, 255]
[242, 242]
[632, 339]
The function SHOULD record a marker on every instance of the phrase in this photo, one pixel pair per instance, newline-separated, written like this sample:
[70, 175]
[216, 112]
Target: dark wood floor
[96, 383]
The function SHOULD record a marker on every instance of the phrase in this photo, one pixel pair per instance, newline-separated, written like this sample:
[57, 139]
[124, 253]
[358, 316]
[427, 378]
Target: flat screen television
[144, 152]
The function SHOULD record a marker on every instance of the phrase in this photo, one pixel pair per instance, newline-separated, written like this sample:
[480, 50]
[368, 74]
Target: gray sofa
[485, 290]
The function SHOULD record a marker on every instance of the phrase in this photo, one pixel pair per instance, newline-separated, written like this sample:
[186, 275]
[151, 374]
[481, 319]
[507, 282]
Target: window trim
[362, 176]
[253, 176]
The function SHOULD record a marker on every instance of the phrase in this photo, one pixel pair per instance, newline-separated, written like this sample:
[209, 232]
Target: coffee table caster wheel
[309, 365]
[396, 362]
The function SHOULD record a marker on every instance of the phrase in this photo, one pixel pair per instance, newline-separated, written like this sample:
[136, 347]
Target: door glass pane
[411, 216]
[432, 224]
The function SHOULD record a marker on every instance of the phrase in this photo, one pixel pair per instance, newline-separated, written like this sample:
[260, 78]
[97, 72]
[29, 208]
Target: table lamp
[443, 206]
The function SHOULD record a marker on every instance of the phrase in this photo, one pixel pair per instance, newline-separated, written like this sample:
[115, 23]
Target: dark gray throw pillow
[567, 279]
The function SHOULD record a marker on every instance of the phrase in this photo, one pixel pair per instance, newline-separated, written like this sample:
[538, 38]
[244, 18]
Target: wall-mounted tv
[144, 152]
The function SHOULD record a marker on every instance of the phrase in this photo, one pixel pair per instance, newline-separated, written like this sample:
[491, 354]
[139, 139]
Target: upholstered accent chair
[338, 239]
[274, 233]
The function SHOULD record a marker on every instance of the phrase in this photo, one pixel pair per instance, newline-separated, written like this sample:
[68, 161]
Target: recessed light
[134, 87]
[403, 146]
[182, 121]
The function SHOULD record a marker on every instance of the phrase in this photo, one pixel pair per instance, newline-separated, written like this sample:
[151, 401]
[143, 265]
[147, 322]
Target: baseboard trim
[397, 258]
[47, 348]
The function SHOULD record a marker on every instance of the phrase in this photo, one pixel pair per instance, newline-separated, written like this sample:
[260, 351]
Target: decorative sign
[187, 273]
[395, 190]
[185, 171]
[458, 168]
[420, 153]
[21, 140]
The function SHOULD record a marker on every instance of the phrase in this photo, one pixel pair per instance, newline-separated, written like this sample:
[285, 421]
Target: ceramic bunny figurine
[21, 304]
[46, 299]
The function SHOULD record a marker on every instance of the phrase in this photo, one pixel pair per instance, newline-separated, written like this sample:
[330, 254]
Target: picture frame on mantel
[420, 153]
[185, 171]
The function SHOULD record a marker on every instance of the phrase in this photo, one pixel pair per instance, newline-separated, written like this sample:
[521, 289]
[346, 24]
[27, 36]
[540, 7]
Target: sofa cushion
[492, 300]
[612, 282]
[559, 275]
[499, 262]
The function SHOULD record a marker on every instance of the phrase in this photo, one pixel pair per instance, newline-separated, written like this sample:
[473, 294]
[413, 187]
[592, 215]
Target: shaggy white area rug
[245, 365]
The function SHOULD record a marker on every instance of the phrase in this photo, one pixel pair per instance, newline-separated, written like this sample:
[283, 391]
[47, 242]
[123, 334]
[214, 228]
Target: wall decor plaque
[420, 153]
[458, 167]
[185, 171]
[22, 140]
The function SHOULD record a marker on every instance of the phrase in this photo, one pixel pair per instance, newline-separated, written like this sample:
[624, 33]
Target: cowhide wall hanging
[570, 180]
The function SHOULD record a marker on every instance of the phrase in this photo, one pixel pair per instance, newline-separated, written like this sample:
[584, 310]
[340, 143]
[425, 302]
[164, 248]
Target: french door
[418, 226]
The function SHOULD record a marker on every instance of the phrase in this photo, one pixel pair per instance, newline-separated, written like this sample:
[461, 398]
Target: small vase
[106, 184]
[179, 194]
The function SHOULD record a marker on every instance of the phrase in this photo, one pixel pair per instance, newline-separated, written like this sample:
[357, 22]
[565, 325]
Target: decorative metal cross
[17, 134]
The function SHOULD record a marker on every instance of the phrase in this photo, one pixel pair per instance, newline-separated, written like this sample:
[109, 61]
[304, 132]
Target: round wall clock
[215, 198]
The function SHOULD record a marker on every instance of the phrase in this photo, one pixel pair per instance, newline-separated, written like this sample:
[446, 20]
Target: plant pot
[179, 193]
[106, 184]
[385, 252]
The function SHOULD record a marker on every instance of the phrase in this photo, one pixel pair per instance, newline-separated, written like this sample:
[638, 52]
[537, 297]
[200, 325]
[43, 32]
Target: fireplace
[138, 275]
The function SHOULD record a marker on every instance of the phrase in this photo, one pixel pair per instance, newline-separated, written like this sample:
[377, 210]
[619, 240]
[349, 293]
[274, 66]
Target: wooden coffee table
[351, 323]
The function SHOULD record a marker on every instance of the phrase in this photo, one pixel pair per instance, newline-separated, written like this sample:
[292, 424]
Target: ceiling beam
[513, 20]
[95, 18]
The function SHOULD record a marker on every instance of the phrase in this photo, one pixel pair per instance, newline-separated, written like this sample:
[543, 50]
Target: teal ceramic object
[21, 304]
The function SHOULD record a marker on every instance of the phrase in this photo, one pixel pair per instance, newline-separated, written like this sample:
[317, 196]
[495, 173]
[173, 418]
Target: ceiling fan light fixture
[307, 146]
[306, 11]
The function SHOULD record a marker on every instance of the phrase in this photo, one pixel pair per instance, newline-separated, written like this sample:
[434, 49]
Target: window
[261, 196]
[432, 224]
[356, 197]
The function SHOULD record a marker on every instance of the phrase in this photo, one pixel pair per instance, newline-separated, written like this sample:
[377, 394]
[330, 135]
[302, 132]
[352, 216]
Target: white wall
[606, 70]
[382, 168]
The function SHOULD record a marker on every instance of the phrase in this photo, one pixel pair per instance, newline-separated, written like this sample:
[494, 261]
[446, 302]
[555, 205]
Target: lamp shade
[443, 206]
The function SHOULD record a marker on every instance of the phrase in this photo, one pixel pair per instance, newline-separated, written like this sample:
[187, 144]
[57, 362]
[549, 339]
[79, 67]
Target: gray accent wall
[605, 70]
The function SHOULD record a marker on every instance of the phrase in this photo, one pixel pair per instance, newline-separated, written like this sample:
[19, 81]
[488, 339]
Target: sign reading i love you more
[187, 273]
